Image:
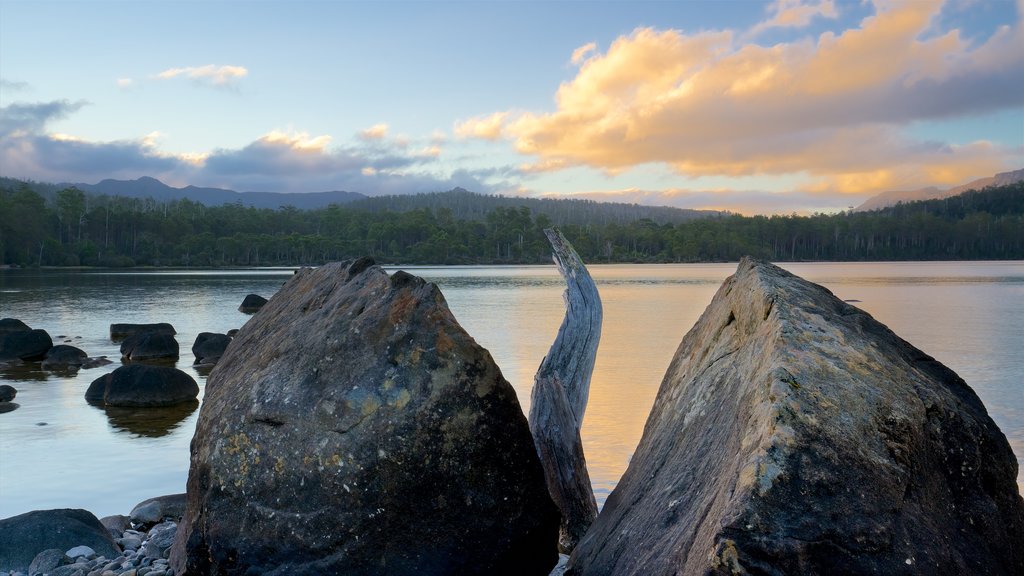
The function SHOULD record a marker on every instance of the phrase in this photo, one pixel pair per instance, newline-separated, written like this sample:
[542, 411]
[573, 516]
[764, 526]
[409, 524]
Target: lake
[56, 451]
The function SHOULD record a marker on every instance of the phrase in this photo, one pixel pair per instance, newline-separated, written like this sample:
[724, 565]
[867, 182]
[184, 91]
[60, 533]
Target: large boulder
[795, 434]
[141, 385]
[149, 346]
[209, 347]
[64, 357]
[252, 303]
[25, 344]
[119, 331]
[24, 536]
[354, 427]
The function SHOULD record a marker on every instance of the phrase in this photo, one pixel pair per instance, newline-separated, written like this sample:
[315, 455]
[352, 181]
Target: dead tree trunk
[560, 392]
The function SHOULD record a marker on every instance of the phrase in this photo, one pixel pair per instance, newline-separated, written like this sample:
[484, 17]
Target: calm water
[57, 451]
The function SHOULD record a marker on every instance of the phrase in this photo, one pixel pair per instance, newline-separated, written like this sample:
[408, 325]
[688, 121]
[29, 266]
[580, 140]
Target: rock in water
[148, 346]
[252, 303]
[355, 428]
[795, 434]
[139, 385]
[63, 356]
[209, 347]
[25, 344]
[118, 331]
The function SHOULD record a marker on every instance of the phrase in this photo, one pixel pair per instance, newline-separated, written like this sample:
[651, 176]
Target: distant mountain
[461, 204]
[147, 187]
[932, 193]
[466, 205]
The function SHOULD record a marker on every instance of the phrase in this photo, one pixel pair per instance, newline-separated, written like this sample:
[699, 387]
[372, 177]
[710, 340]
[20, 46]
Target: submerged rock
[795, 434]
[141, 385]
[354, 427]
[252, 303]
[24, 536]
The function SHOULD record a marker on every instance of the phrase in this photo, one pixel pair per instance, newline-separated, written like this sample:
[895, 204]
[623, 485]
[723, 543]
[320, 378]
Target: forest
[43, 226]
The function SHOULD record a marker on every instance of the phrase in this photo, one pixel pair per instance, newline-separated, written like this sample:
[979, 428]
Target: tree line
[70, 228]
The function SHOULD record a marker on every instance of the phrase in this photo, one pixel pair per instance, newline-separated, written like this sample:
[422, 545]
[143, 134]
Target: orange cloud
[375, 132]
[709, 104]
[484, 127]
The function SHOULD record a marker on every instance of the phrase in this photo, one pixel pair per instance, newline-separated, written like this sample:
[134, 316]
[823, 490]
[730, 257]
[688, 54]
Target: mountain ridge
[893, 197]
[149, 187]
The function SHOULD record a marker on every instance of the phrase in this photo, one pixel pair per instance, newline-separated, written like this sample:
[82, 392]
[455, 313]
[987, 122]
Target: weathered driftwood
[560, 392]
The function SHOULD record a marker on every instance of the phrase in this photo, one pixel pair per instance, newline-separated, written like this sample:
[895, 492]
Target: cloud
[579, 54]
[14, 85]
[210, 74]
[795, 14]
[487, 127]
[835, 107]
[125, 83]
[375, 132]
[21, 119]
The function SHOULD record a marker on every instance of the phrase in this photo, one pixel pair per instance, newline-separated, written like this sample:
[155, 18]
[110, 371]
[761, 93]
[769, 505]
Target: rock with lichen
[795, 434]
[354, 427]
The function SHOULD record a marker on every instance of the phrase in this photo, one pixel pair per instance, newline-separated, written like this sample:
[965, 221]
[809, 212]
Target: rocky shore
[76, 543]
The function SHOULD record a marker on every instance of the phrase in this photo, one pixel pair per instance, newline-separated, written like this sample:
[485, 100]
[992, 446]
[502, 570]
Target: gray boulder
[252, 303]
[24, 536]
[63, 357]
[154, 510]
[47, 560]
[25, 345]
[7, 392]
[119, 331]
[141, 385]
[354, 427]
[795, 434]
[149, 346]
[209, 347]
[116, 524]
[8, 325]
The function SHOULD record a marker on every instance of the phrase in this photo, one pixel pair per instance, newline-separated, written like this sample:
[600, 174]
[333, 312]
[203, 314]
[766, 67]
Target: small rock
[7, 392]
[80, 551]
[129, 543]
[47, 560]
[161, 537]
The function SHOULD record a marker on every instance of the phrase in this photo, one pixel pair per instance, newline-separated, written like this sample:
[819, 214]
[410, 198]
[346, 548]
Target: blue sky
[758, 107]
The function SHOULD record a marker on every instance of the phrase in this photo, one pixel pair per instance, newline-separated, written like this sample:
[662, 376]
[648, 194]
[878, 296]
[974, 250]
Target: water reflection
[22, 371]
[148, 422]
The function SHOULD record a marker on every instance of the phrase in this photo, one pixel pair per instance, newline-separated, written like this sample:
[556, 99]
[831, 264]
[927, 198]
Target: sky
[767, 107]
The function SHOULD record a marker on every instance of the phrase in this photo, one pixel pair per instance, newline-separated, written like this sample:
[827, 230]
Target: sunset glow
[767, 107]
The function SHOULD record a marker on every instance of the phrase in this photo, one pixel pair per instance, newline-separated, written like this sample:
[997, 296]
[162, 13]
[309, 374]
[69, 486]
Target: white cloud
[211, 74]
